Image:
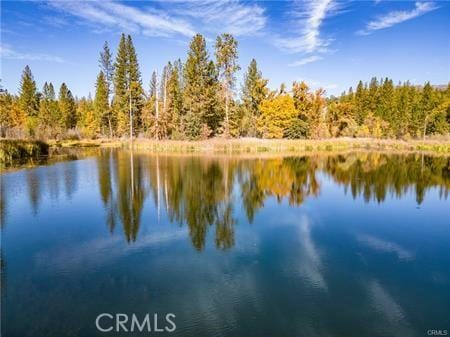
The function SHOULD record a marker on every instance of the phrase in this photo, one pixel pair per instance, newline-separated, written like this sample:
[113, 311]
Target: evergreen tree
[402, 108]
[121, 97]
[12, 117]
[29, 100]
[226, 59]
[5, 116]
[428, 105]
[447, 99]
[107, 68]
[175, 102]
[149, 116]
[360, 103]
[101, 104]
[373, 96]
[386, 103]
[195, 74]
[164, 113]
[49, 114]
[214, 113]
[153, 84]
[67, 108]
[134, 85]
[128, 93]
[253, 93]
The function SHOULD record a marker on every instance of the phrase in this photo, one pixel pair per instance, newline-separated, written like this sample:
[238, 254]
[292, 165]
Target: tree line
[198, 99]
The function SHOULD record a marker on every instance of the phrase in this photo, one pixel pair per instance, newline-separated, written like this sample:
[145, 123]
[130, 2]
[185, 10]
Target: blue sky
[327, 43]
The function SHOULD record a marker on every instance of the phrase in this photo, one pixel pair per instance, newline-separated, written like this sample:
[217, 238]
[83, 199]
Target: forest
[199, 98]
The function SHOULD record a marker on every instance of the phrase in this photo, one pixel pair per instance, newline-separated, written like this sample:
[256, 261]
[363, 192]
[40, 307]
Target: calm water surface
[343, 245]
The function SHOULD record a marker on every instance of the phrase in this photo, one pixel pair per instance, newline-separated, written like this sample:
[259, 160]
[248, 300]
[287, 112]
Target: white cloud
[310, 260]
[306, 60]
[228, 16]
[392, 318]
[8, 52]
[385, 246]
[172, 18]
[315, 84]
[309, 17]
[396, 17]
[116, 15]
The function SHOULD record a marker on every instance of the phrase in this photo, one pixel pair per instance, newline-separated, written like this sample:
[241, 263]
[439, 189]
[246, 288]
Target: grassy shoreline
[253, 145]
[13, 151]
[16, 152]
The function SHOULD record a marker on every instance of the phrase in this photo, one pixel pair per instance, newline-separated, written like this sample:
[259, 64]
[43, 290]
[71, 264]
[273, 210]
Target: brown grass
[253, 145]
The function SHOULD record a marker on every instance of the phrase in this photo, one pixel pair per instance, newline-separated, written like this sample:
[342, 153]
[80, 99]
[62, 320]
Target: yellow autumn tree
[276, 115]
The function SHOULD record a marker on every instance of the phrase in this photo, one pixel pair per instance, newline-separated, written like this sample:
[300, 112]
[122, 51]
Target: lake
[354, 244]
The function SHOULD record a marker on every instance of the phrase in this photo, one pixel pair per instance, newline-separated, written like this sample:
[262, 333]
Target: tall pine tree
[29, 100]
[226, 59]
[49, 114]
[195, 78]
[254, 92]
[135, 85]
[107, 67]
[101, 105]
[121, 97]
[67, 108]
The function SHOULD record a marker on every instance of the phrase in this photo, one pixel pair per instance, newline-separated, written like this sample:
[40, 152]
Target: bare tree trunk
[110, 127]
[131, 121]
[425, 127]
[165, 99]
[227, 122]
[165, 95]
[157, 115]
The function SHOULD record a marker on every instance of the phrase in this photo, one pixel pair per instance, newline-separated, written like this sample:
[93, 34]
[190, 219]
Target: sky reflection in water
[341, 245]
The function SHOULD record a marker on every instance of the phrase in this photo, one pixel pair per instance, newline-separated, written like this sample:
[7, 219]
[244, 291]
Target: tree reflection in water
[205, 191]
[198, 191]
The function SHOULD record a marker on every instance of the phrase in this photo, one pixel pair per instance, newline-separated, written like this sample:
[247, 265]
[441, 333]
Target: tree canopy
[199, 98]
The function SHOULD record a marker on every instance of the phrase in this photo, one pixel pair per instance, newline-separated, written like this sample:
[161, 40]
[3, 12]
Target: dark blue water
[343, 245]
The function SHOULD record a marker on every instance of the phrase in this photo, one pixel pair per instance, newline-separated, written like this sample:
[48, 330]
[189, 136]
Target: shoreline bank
[253, 145]
[16, 152]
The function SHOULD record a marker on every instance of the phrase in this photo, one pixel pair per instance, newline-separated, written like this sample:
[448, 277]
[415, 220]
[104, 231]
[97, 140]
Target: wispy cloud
[310, 259]
[147, 21]
[306, 60]
[385, 246]
[319, 84]
[388, 311]
[229, 16]
[308, 17]
[307, 39]
[7, 52]
[55, 21]
[395, 17]
[171, 18]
